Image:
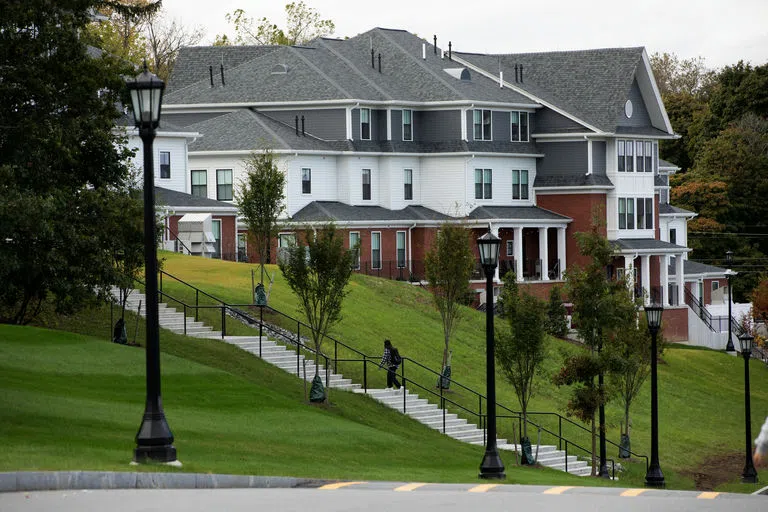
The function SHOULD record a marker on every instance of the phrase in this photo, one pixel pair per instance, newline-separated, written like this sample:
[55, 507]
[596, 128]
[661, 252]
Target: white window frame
[355, 234]
[162, 165]
[485, 184]
[231, 186]
[510, 248]
[523, 135]
[376, 235]
[363, 174]
[483, 136]
[368, 122]
[217, 222]
[409, 124]
[407, 184]
[523, 194]
[192, 184]
[400, 262]
[306, 172]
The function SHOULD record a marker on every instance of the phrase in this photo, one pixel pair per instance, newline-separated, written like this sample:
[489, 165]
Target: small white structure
[196, 235]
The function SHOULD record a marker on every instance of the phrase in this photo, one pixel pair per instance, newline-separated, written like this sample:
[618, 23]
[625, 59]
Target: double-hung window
[483, 183]
[200, 183]
[644, 217]
[354, 244]
[520, 184]
[400, 240]
[306, 180]
[620, 156]
[165, 164]
[365, 124]
[626, 213]
[648, 212]
[407, 124]
[629, 158]
[376, 250]
[649, 167]
[366, 184]
[224, 184]
[518, 126]
[481, 121]
[408, 184]
[639, 153]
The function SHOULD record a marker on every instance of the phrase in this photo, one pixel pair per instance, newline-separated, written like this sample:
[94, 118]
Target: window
[629, 158]
[715, 285]
[630, 214]
[673, 236]
[306, 180]
[216, 225]
[622, 213]
[510, 248]
[407, 124]
[655, 155]
[200, 183]
[519, 184]
[400, 239]
[366, 184]
[649, 157]
[242, 247]
[483, 183]
[284, 242]
[620, 155]
[640, 213]
[639, 152]
[482, 124]
[518, 126]
[648, 212]
[408, 184]
[165, 164]
[365, 124]
[376, 250]
[637, 155]
[354, 242]
[224, 184]
[627, 217]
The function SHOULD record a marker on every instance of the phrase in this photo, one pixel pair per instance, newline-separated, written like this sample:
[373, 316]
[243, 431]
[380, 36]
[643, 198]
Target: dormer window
[365, 124]
[482, 124]
[518, 126]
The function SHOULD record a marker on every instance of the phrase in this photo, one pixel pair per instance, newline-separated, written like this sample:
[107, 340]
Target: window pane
[630, 214]
[477, 123]
[199, 183]
[629, 157]
[165, 164]
[376, 250]
[486, 125]
[515, 184]
[648, 157]
[640, 213]
[354, 241]
[407, 130]
[224, 184]
[656, 157]
[524, 184]
[478, 183]
[640, 159]
[649, 213]
[487, 183]
[306, 181]
[400, 249]
[622, 213]
[408, 184]
[673, 236]
[514, 125]
[620, 153]
[524, 126]
[366, 184]
[365, 123]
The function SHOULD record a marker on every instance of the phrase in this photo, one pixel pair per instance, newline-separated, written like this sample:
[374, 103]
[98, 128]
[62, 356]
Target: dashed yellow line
[338, 485]
[482, 488]
[409, 487]
[708, 495]
[558, 490]
[633, 492]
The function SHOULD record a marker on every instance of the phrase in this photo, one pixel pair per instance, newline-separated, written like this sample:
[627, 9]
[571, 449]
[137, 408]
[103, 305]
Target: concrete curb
[70, 480]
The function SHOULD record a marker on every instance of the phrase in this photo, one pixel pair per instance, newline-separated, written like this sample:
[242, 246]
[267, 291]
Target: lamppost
[154, 438]
[729, 262]
[749, 475]
[654, 477]
[488, 246]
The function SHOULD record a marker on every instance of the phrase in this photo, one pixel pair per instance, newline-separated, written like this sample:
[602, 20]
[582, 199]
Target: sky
[721, 31]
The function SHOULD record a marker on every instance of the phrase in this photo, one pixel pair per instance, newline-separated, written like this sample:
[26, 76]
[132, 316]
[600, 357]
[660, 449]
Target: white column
[518, 246]
[629, 275]
[389, 123]
[561, 250]
[680, 279]
[544, 253]
[664, 279]
[495, 232]
[646, 277]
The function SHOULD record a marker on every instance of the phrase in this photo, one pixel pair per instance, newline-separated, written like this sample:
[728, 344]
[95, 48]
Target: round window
[628, 109]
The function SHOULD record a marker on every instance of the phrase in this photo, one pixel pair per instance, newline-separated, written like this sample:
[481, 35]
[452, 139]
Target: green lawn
[701, 395]
[74, 402]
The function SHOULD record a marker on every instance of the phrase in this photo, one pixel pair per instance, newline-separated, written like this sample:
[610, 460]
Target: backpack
[396, 359]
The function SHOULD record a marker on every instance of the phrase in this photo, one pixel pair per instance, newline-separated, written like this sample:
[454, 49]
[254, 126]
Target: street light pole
[154, 440]
[491, 466]
[654, 476]
[729, 262]
[749, 475]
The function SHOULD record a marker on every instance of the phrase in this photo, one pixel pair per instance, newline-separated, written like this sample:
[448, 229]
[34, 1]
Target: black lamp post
[492, 466]
[654, 477]
[154, 440]
[749, 475]
[729, 262]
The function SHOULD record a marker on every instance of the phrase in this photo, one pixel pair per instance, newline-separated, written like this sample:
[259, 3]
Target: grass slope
[701, 396]
[74, 402]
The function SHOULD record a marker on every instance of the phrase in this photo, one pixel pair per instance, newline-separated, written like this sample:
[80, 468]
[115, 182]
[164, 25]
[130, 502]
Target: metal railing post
[197, 303]
[365, 375]
[442, 403]
[261, 326]
[402, 374]
[185, 319]
[560, 432]
[223, 322]
[335, 356]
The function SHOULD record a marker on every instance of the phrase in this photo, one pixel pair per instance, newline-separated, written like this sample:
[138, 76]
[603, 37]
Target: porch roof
[327, 211]
[668, 209]
[691, 268]
[188, 202]
[647, 246]
[516, 213]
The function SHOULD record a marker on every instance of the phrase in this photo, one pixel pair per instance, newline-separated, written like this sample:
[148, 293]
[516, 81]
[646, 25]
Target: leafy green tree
[302, 24]
[318, 274]
[520, 348]
[448, 267]
[261, 201]
[760, 299]
[556, 323]
[65, 209]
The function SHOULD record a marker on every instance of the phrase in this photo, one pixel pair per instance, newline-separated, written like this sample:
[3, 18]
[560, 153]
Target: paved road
[383, 496]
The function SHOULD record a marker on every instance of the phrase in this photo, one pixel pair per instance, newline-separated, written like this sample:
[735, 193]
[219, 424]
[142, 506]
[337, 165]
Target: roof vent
[279, 69]
[459, 73]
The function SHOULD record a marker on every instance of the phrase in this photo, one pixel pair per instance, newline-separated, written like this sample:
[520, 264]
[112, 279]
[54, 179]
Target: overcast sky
[720, 31]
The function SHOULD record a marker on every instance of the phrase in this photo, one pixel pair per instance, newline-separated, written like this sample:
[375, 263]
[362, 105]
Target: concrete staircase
[418, 408]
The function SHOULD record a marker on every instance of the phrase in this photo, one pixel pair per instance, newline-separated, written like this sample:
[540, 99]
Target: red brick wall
[675, 323]
[579, 207]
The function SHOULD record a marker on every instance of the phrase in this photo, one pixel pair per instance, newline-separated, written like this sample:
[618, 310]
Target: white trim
[381, 250]
[567, 136]
[389, 123]
[370, 123]
[596, 189]
[405, 248]
[241, 152]
[224, 107]
[656, 93]
[402, 124]
[360, 241]
[223, 210]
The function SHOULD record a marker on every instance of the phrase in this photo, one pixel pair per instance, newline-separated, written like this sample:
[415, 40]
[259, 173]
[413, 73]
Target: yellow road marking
[633, 492]
[557, 490]
[338, 485]
[409, 487]
[483, 487]
[708, 495]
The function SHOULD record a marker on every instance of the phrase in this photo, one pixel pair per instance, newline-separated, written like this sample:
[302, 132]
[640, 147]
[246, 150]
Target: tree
[674, 76]
[556, 323]
[318, 274]
[120, 29]
[302, 24]
[64, 195]
[164, 38]
[520, 349]
[760, 300]
[260, 201]
[448, 267]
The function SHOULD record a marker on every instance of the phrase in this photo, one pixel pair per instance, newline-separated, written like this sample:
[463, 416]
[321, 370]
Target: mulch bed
[717, 470]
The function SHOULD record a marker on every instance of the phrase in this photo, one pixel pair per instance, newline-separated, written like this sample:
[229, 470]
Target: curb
[71, 480]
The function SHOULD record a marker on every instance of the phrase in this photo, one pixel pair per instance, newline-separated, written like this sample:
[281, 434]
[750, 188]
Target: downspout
[589, 155]
[410, 252]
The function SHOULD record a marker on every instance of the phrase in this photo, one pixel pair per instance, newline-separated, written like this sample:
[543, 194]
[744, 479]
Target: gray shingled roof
[167, 197]
[668, 209]
[572, 180]
[694, 267]
[643, 243]
[663, 164]
[516, 213]
[192, 63]
[326, 211]
[589, 84]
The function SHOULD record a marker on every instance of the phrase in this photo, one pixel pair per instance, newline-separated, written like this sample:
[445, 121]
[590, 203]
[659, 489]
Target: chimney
[297, 125]
[424, 51]
[302, 126]
[373, 63]
[210, 70]
[516, 79]
[434, 38]
[222, 74]
[521, 73]
[449, 50]
[379, 63]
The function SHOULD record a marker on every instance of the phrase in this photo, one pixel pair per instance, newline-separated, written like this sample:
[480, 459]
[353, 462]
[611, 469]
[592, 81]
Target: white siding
[177, 147]
[324, 179]
[393, 180]
[351, 181]
[211, 163]
[443, 184]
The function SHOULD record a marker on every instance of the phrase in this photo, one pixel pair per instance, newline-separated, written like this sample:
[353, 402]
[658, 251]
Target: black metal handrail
[698, 308]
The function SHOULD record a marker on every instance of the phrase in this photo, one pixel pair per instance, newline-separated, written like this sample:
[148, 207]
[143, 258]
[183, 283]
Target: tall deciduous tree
[261, 201]
[556, 323]
[164, 38]
[65, 206]
[302, 24]
[448, 266]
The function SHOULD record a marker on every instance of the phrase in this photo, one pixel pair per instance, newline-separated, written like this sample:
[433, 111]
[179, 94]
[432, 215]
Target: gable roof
[516, 213]
[182, 200]
[333, 211]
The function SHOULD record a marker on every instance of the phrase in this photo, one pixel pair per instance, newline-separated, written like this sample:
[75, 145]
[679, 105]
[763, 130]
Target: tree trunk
[594, 448]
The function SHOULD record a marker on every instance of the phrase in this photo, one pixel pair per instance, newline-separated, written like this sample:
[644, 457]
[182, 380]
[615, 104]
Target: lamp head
[488, 246]
[746, 341]
[146, 98]
[653, 316]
